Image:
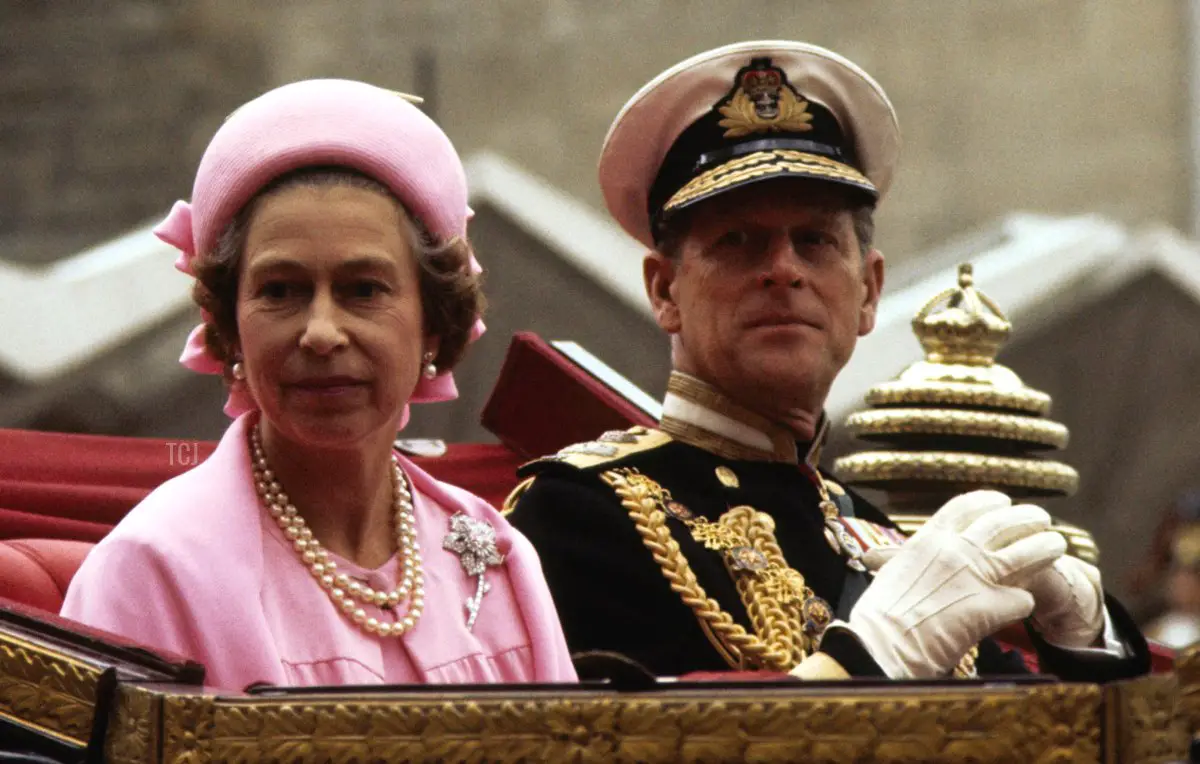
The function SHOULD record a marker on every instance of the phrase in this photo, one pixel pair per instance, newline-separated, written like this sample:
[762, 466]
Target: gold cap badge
[764, 102]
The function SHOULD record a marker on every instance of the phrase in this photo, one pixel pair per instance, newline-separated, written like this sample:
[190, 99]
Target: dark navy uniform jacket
[612, 595]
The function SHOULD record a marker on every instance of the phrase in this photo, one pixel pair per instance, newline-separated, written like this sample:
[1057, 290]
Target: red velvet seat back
[36, 572]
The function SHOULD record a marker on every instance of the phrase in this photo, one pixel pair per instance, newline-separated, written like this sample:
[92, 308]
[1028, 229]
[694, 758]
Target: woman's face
[329, 314]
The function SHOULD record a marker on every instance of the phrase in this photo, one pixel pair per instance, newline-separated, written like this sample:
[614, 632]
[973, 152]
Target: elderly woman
[327, 235]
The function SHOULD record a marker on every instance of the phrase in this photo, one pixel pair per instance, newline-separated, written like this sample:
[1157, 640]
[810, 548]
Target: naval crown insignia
[764, 102]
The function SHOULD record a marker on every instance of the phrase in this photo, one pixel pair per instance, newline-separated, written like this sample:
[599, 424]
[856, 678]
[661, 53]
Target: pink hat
[320, 122]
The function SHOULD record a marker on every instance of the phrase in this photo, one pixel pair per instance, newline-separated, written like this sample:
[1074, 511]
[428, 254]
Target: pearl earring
[238, 371]
[430, 371]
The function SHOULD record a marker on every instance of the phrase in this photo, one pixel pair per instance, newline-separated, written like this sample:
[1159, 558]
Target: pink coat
[199, 568]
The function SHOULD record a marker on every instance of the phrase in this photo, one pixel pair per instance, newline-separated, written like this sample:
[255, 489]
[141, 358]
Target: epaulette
[609, 447]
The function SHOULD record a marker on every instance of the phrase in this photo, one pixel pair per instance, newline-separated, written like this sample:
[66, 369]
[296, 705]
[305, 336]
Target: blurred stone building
[1054, 106]
[1058, 106]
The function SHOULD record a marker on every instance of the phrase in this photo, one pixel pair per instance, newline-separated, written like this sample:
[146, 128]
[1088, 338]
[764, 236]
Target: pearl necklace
[345, 592]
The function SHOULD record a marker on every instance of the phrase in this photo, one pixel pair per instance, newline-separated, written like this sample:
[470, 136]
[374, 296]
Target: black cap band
[762, 112]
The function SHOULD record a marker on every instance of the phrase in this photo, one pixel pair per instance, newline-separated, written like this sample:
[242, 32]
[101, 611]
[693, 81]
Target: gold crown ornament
[958, 421]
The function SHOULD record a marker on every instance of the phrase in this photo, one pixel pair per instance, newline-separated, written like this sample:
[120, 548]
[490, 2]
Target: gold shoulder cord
[775, 596]
[787, 616]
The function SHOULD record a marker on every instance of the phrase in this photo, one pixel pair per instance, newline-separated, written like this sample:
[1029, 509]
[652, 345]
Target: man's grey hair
[864, 227]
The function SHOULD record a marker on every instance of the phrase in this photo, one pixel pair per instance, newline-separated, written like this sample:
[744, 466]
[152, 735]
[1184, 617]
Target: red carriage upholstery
[36, 572]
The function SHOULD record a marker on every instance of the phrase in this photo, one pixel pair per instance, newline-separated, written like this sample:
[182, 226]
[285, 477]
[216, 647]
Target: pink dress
[198, 568]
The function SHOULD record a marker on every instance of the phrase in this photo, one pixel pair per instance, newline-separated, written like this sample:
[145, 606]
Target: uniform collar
[698, 414]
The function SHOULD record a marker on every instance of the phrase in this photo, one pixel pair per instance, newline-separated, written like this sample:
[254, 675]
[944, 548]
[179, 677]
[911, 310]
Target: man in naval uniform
[714, 541]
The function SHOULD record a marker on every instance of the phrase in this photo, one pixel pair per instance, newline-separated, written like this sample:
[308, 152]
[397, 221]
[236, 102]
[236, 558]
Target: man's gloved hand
[1069, 603]
[956, 581]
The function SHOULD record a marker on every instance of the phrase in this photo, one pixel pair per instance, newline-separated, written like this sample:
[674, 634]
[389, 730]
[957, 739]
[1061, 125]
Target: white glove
[1069, 609]
[956, 581]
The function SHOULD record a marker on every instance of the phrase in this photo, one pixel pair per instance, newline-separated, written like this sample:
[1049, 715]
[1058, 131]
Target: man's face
[767, 294]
